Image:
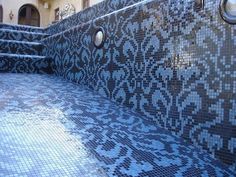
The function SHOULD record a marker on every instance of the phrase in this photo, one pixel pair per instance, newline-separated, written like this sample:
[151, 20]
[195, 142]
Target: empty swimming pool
[124, 88]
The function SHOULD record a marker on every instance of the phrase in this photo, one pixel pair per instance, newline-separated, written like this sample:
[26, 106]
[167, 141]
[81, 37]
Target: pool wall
[170, 61]
[91, 13]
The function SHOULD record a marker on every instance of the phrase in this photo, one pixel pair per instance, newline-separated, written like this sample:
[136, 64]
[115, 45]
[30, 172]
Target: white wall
[15, 5]
[46, 15]
[54, 4]
[93, 2]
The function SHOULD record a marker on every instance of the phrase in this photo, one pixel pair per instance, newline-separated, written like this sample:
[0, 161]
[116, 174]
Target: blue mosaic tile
[21, 28]
[170, 61]
[89, 14]
[19, 47]
[14, 63]
[17, 35]
[50, 127]
[21, 50]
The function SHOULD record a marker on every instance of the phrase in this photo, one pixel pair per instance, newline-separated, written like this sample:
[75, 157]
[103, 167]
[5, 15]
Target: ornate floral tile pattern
[89, 14]
[51, 127]
[7, 34]
[19, 47]
[171, 61]
[21, 50]
[25, 64]
[21, 28]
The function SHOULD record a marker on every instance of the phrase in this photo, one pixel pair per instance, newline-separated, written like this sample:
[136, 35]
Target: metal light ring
[99, 44]
[200, 3]
[225, 15]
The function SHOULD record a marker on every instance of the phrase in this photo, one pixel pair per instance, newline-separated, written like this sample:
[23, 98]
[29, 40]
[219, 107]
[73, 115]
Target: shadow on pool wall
[164, 59]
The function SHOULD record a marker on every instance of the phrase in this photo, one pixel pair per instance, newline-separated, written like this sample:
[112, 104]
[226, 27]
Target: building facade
[40, 12]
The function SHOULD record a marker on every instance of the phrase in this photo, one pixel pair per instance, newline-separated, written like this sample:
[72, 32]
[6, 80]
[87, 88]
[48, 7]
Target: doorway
[29, 15]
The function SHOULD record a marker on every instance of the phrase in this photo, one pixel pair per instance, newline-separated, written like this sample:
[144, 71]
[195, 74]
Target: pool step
[21, 50]
[15, 63]
[20, 47]
[9, 34]
[22, 28]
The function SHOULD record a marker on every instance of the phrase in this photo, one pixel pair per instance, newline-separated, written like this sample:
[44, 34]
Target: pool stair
[21, 50]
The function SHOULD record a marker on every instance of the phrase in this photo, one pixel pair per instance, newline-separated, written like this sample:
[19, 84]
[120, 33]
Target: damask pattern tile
[19, 47]
[21, 28]
[10, 63]
[50, 127]
[7, 34]
[89, 14]
[171, 62]
[21, 51]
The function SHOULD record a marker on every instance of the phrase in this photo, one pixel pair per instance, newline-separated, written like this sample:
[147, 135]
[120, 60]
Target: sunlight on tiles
[38, 143]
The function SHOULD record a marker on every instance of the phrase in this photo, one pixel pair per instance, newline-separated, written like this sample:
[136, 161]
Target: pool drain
[99, 38]
[228, 10]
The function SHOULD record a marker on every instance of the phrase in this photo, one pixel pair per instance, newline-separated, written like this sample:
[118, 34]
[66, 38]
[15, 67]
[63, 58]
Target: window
[1, 14]
[85, 4]
[57, 16]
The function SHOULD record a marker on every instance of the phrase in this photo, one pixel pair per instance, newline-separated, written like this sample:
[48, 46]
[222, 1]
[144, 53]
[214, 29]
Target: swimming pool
[157, 99]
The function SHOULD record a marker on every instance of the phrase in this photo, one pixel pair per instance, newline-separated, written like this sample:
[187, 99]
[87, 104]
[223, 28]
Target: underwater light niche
[228, 11]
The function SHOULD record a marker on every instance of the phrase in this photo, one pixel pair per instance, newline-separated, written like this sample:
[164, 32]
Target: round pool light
[99, 38]
[228, 10]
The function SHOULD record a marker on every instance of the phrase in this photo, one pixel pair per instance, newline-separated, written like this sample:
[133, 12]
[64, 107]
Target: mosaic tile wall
[21, 50]
[21, 28]
[25, 64]
[19, 47]
[9, 34]
[98, 10]
[168, 60]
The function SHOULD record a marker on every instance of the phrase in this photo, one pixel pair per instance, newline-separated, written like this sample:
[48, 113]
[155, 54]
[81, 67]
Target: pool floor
[51, 127]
